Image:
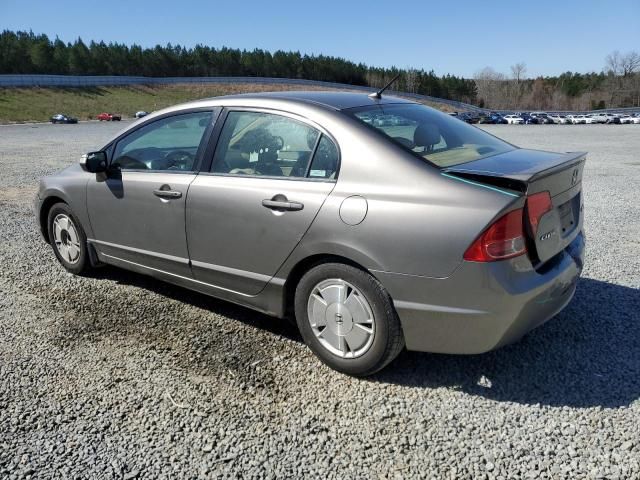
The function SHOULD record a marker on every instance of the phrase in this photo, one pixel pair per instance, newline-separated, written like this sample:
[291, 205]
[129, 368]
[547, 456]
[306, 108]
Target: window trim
[207, 163]
[202, 147]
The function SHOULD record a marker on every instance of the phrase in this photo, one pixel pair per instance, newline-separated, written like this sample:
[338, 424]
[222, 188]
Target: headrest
[426, 134]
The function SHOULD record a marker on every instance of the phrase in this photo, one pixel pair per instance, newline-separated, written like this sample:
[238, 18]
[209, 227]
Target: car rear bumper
[483, 306]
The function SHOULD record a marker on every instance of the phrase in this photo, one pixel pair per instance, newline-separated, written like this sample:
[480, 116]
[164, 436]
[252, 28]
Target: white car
[626, 119]
[514, 119]
[588, 119]
[576, 119]
[602, 117]
[635, 118]
[558, 119]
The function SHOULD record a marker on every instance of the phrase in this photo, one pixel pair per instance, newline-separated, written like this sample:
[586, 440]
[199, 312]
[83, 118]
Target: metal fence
[74, 81]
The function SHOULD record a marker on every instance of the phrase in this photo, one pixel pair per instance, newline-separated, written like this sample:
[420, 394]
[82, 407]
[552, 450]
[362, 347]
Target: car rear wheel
[68, 239]
[347, 319]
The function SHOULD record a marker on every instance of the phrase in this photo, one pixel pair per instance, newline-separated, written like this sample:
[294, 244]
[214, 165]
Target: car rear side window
[169, 144]
[325, 160]
[265, 144]
[439, 138]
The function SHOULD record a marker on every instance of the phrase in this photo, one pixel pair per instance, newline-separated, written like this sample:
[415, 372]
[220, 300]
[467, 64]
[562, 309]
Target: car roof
[327, 99]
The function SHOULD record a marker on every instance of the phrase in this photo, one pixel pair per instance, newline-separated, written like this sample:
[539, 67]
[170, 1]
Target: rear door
[270, 174]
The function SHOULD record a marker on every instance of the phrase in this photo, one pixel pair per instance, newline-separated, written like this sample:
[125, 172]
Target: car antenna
[378, 94]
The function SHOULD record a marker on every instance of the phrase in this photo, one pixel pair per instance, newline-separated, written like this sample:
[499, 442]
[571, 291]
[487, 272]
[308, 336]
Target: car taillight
[503, 239]
[537, 205]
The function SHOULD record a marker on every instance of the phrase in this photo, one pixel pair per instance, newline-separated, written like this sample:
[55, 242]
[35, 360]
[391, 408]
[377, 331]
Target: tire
[68, 240]
[353, 344]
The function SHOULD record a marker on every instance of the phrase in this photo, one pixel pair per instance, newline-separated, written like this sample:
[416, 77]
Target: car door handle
[167, 193]
[282, 205]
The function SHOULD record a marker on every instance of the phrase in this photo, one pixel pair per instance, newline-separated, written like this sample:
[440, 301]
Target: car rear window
[434, 136]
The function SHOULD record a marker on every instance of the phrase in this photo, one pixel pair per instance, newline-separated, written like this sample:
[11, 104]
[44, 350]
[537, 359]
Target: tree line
[618, 85]
[26, 52]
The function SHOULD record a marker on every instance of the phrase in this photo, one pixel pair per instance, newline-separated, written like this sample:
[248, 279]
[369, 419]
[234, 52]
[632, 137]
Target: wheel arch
[303, 266]
[47, 203]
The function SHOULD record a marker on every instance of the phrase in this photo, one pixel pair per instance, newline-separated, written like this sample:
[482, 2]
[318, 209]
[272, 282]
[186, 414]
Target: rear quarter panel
[418, 221]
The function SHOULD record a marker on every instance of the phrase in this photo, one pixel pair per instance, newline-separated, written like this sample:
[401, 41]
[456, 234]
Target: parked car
[542, 118]
[635, 118]
[61, 118]
[492, 118]
[623, 119]
[576, 119]
[599, 117]
[469, 117]
[486, 119]
[536, 118]
[558, 119]
[604, 117]
[140, 114]
[528, 119]
[514, 119]
[303, 227]
[499, 119]
[109, 117]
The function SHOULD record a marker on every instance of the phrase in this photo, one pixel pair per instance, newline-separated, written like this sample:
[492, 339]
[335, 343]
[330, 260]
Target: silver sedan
[377, 223]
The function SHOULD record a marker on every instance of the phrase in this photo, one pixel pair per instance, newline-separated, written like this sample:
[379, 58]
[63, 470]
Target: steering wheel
[178, 159]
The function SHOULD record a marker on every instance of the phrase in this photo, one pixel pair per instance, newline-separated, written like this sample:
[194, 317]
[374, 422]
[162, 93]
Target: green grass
[39, 104]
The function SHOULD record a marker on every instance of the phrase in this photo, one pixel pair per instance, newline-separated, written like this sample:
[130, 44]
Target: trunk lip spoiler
[479, 184]
[572, 159]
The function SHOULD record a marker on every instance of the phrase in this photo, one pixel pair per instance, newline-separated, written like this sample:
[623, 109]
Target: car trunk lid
[532, 172]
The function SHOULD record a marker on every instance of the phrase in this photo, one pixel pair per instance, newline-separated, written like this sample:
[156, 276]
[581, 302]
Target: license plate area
[569, 213]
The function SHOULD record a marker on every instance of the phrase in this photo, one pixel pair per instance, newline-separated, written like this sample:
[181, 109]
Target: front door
[137, 210]
[270, 175]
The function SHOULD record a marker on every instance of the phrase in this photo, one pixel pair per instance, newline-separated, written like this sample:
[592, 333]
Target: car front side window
[265, 144]
[168, 144]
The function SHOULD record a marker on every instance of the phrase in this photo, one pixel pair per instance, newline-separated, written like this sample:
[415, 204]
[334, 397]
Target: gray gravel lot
[122, 376]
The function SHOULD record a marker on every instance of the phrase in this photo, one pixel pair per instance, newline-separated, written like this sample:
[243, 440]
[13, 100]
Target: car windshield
[439, 138]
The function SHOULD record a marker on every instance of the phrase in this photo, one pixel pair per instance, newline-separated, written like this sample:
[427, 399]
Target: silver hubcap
[66, 238]
[341, 318]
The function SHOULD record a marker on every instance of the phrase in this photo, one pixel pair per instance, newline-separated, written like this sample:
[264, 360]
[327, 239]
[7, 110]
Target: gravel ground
[122, 376]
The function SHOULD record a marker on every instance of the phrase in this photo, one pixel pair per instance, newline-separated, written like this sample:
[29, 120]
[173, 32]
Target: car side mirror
[94, 162]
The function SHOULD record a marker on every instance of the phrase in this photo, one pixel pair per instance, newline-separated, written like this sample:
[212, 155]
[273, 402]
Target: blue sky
[458, 37]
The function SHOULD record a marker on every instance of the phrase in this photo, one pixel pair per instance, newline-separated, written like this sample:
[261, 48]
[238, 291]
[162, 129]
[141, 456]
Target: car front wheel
[68, 239]
[347, 319]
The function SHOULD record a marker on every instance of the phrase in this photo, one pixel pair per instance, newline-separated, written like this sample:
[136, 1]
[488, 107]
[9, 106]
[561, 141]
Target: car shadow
[226, 309]
[587, 356]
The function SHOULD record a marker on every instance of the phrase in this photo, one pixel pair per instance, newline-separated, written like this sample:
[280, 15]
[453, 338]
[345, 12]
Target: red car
[109, 117]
